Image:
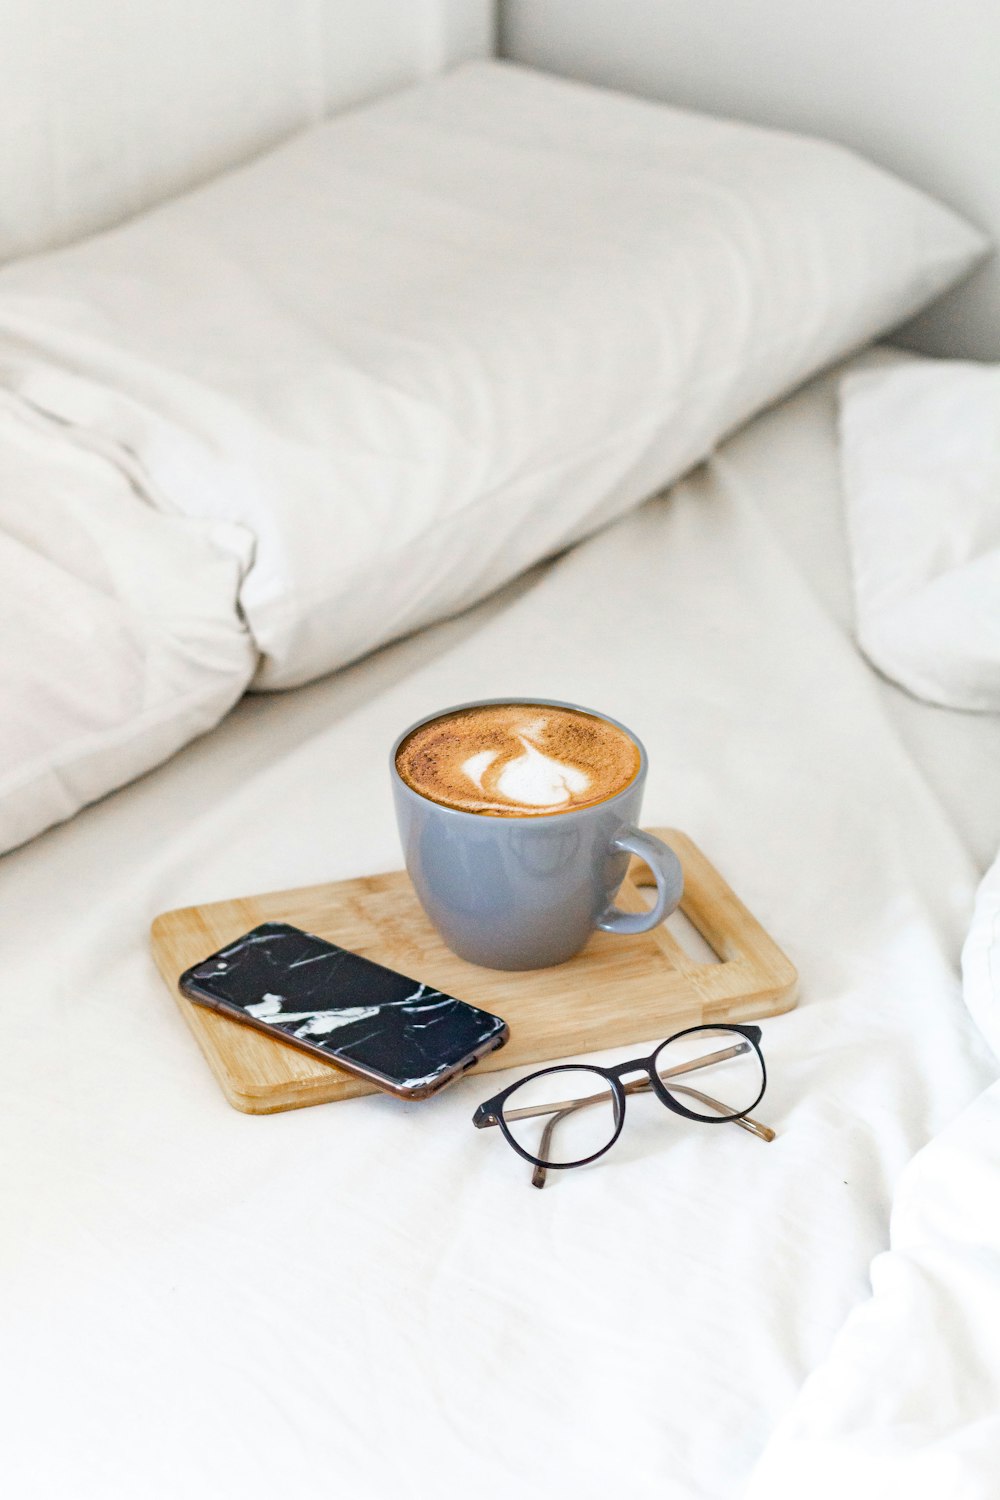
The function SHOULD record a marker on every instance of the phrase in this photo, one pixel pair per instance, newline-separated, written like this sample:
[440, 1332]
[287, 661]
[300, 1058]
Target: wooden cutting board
[618, 990]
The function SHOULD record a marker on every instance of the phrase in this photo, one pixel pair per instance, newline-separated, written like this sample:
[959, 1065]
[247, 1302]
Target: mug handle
[666, 868]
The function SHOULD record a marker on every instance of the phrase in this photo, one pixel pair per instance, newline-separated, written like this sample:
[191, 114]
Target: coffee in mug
[518, 760]
[518, 819]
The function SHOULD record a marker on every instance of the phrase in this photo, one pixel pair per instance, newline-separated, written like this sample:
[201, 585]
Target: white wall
[109, 105]
[914, 84]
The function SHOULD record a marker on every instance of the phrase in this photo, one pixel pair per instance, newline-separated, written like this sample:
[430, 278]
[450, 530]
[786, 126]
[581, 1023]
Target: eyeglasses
[569, 1115]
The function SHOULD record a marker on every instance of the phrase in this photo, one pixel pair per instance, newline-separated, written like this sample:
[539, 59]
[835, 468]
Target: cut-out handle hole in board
[680, 927]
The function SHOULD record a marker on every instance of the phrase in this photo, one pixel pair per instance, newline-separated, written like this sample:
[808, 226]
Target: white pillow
[119, 633]
[920, 457]
[422, 346]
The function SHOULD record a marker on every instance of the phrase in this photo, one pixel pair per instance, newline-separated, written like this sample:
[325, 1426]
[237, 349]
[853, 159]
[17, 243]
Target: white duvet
[120, 632]
[909, 1399]
[370, 1298]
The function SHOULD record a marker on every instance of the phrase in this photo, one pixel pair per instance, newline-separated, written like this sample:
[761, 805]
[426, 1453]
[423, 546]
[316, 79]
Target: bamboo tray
[618, 990]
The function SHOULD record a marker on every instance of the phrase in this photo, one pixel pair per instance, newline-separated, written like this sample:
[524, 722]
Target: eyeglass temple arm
[745, 1122]
[640, 1086]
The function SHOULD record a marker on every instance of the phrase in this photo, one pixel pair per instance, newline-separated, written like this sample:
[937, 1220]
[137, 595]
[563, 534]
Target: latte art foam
[517, 760]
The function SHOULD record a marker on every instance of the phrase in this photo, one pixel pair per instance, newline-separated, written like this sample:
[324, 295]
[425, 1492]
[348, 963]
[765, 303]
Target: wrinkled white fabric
[981, 959]
[909, 1399]
[120, 636]
[370, 1296]
[425, 344]
[921, 467]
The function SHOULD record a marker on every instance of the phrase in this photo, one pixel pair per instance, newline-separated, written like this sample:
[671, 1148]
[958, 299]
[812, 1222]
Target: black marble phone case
[399, 1033]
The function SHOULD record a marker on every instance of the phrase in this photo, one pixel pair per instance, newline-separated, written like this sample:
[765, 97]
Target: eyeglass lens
[714, 1074]
[562, 1117]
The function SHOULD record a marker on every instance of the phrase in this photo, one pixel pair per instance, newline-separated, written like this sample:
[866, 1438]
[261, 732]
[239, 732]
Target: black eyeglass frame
[490, 1112]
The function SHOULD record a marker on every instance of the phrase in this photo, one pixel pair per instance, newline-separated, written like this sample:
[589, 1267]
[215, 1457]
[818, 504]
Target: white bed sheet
[370, 1296]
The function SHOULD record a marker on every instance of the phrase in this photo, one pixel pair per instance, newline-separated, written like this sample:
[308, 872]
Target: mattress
[364, 1296]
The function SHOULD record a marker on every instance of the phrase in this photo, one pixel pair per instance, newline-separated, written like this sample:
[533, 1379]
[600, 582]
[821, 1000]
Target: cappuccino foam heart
[518, 759]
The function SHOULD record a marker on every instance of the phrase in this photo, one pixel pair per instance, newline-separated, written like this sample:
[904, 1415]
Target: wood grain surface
[618, 990]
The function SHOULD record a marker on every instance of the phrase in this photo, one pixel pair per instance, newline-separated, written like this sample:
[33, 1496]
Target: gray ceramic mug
[524, 893]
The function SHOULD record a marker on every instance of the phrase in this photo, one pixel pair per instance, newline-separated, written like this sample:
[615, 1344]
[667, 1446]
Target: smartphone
[399, 1034]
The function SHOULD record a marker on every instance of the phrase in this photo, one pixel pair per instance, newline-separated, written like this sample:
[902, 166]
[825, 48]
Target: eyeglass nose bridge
[637, 1065]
